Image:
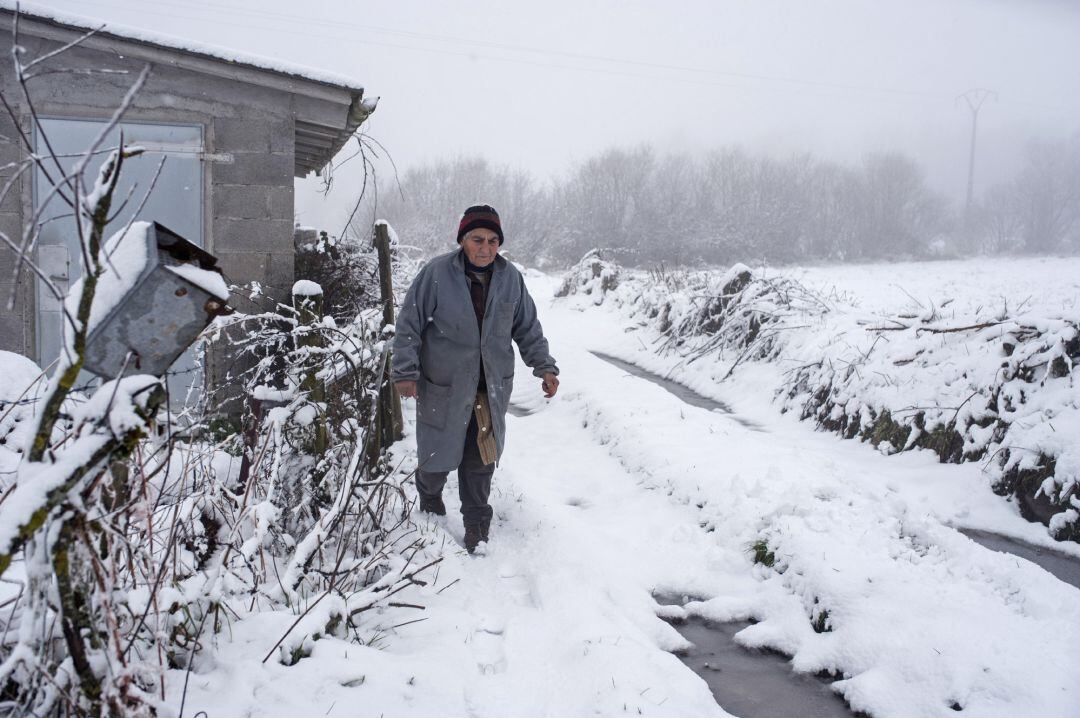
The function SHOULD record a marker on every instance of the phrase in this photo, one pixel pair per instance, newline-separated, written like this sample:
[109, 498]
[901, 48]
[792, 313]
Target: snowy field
[1045, 284]
[616, 492]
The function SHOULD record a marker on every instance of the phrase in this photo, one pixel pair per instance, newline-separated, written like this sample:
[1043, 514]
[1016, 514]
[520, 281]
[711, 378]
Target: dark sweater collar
[497, 266]
[473, 269]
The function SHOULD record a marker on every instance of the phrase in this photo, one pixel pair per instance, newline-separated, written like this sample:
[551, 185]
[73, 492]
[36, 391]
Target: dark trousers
[474, 481]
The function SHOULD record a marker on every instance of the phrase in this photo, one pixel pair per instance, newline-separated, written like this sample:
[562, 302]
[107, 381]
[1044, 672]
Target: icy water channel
[684, 393]
[1062, 565]
[751, 683]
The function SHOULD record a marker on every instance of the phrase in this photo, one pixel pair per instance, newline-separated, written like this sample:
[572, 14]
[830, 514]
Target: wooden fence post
[390, 423]
[308, 304]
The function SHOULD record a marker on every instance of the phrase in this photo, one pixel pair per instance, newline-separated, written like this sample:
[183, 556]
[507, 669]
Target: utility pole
[975, 99]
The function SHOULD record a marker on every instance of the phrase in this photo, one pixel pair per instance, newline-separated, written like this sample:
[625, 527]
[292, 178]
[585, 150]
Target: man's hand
[550, 385]
[406, 389]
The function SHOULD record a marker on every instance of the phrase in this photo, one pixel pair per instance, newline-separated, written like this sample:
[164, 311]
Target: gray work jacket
[437, 344]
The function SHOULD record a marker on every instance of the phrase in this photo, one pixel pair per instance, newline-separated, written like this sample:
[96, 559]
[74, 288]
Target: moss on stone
[945, 441]
[885, 428]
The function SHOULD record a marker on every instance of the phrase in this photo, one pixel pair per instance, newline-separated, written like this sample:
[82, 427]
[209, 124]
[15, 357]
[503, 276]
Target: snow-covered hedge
[193, 531]
[970, 388]
[979, 383]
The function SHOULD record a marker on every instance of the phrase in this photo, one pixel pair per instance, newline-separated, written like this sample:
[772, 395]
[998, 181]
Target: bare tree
[722, 206]
[998, 221]
[1048, 196]
[899, 215]
[1038, 211]
[604, 199]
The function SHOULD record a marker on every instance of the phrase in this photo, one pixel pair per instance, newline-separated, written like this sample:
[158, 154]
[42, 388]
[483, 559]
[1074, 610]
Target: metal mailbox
[162, 314]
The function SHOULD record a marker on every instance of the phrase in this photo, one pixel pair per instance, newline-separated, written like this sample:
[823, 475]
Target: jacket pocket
[504, 318]
[432, 403]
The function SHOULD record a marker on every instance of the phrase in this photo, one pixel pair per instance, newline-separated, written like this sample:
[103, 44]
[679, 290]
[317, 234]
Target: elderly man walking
[452, 352]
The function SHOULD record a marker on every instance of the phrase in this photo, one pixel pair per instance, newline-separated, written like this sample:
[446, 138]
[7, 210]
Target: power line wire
[472, 43]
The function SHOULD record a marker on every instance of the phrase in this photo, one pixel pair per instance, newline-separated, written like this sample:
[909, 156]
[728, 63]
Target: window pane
[176, 202]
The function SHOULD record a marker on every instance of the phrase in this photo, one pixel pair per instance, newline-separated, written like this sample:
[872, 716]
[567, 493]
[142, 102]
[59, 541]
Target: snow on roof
[150, 37]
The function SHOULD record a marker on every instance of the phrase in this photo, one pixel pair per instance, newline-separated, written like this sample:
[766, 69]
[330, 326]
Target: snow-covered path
[617, 491]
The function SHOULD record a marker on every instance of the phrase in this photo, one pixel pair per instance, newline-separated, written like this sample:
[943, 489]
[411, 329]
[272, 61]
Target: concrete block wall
[252, 201]
[250, 211]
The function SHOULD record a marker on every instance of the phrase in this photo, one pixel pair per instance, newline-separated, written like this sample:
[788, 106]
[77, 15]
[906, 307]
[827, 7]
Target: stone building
[233, 131]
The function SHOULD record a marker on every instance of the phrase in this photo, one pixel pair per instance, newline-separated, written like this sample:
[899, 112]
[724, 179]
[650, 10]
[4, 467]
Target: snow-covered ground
[1045, 284]
[617, 491]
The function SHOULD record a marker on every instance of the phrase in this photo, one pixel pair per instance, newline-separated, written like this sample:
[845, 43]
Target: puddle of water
[751, 683]
[684, 393]
[1062, 565]
[755, 684]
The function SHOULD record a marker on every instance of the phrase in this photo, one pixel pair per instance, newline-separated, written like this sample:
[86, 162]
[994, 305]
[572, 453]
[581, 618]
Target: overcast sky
[541, 85]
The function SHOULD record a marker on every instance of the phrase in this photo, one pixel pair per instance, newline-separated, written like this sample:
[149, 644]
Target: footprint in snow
[517, 584]
[487, 641]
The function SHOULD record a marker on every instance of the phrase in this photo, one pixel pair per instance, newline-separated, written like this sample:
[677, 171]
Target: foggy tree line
[729, 205]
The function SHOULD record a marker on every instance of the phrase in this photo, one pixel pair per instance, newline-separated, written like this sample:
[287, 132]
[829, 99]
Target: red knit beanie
[480, 216]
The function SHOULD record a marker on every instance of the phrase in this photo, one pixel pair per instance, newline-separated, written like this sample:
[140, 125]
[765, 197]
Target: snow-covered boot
[473, 537]
[485, 526]
[433, 505]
